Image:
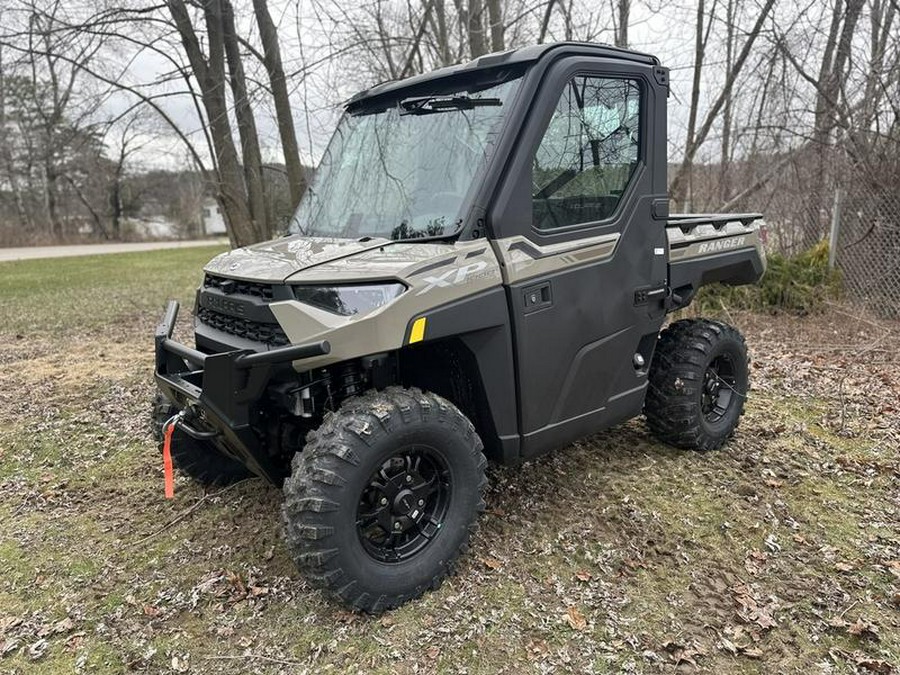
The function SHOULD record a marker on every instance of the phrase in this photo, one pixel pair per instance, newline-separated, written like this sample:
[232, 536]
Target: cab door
[582, 244]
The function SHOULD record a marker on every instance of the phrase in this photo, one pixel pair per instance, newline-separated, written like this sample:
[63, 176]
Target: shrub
[799, 284]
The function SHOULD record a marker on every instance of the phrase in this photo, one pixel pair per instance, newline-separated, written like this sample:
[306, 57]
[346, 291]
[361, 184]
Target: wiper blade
[427, 105]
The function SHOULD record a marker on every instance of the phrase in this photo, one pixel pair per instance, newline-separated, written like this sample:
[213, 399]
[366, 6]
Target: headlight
[348, 300]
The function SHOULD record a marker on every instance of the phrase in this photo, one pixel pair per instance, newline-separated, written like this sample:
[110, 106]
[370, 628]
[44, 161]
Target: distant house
[212, 218]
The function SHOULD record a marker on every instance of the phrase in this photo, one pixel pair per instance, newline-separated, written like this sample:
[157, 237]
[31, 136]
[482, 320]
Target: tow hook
[189, 414]
[180, 421]
[168, 469]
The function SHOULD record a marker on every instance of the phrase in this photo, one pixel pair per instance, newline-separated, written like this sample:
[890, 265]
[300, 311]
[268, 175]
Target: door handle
[537, 297]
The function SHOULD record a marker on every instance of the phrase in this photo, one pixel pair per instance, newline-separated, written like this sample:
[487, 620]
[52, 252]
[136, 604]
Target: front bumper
[219, 392]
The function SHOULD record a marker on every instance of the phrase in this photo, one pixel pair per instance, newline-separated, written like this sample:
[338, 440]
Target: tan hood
[278, 259]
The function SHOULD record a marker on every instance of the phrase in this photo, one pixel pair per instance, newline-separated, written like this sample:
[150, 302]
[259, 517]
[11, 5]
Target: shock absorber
[349, 380]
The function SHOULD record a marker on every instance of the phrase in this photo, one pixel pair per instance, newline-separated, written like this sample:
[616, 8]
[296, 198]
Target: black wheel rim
[404, 504]
[718, 388]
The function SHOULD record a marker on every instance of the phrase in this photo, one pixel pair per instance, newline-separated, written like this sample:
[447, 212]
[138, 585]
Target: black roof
[497, 60]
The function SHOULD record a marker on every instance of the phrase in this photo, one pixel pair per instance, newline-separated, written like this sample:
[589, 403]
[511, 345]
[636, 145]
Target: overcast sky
[657, 27]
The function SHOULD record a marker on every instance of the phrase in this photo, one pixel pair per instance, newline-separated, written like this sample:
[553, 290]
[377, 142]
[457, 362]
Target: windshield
[403, 173]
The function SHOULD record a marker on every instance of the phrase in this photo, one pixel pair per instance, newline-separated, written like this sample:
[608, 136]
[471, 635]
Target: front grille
[239, 287]
[267, 333]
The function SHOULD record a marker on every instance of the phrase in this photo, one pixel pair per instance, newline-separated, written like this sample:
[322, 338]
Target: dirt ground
[779, 553]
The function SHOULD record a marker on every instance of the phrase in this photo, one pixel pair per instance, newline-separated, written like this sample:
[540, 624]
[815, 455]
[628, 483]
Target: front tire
[383, 498]
[698, 382]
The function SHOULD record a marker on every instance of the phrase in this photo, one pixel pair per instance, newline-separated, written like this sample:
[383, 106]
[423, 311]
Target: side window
[588, 153]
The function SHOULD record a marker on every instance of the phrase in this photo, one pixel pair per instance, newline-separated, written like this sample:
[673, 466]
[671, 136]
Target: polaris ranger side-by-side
[479, 269]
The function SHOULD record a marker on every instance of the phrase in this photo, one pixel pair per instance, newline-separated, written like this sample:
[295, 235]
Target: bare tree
[621, 9]
[246, 123]
[268, 35]
[495, 16]
[130, 140]
[697, 137]
[210, 74]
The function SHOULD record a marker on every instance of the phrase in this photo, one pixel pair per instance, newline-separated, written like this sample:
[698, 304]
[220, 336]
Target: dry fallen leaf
[237, 583]
[863, 630]
[37, 650]
[575, 618]
[63, 626]
[873, 665]
[583, 575]
[75, 641]
[433, 652]
[537, 649]
[491, 563]
[9, 622]
[752, 652]
[680, 653]
[843, 567]
[894, 567]
[754, 561]
[256, 591]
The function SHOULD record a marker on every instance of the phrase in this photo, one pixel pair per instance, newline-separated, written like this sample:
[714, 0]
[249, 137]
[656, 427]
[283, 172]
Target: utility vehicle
[480, 269]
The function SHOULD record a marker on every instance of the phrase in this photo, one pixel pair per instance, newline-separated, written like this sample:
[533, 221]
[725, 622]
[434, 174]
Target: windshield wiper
[427, 105]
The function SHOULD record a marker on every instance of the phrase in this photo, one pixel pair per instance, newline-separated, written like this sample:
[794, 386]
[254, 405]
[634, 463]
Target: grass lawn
[779, 553]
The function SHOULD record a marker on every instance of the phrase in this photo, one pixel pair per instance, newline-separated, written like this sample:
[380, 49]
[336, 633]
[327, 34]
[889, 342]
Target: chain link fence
[852, 199]
[865, 242]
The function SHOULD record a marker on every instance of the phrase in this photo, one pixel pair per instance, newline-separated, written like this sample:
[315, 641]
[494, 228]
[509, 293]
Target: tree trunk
[51, 204]
[821, 130]
[724, 174]
[230, 190]
[442, 37]
[384, 40]
[115, 203]
[252, 156]
[495, 16]
[832, 76]
[881, 22]
[699, 50]
[115, 196]
[268, 35]
[12, 176]
[475, 26]
[413, 61]
[545, 21]
[621, 14]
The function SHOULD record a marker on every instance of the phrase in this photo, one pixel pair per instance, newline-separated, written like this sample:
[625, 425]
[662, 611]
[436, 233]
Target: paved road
[33, 252]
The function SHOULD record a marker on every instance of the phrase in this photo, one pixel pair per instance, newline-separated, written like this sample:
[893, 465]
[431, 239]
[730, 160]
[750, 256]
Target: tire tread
[317, 479]
[671, 407]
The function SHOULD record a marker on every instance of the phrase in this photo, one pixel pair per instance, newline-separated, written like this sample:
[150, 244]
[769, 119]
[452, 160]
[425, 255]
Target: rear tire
[698, 382]
[382, 500]
[198, 459]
